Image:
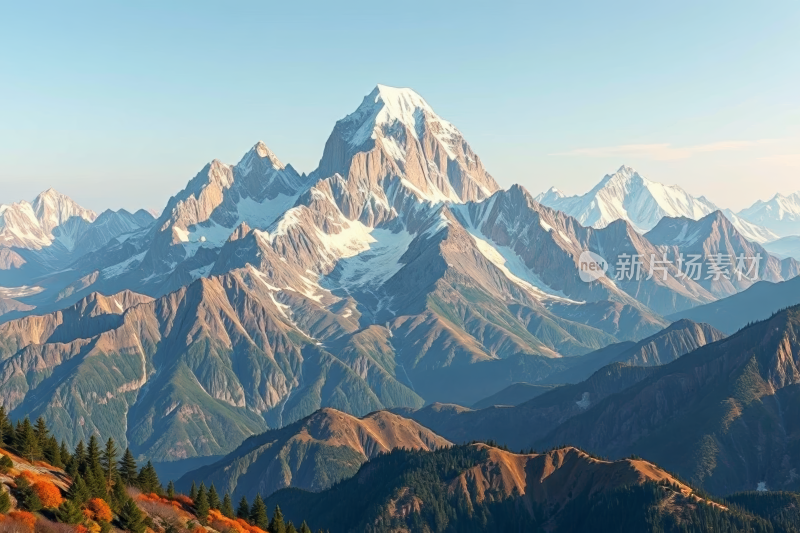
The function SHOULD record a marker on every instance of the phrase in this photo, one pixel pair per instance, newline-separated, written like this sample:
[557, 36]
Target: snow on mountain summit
[394, 132]
[781, 214]
[31, 225]
[627, 195]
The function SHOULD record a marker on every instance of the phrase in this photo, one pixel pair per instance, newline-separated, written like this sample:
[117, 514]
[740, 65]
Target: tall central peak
[401, 136]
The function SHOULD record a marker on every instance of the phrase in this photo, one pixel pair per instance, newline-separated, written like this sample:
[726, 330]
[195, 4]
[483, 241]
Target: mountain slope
[724, 416]
[480, 488]
[313, 454]
[757, 303]
[680, 338]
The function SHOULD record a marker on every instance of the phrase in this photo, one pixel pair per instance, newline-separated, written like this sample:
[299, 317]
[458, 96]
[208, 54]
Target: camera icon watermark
[591, 266]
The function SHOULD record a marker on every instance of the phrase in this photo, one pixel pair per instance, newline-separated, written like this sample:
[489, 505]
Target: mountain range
[397, 276]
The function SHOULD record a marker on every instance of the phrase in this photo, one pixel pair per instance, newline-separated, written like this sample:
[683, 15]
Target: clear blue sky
[119, 104]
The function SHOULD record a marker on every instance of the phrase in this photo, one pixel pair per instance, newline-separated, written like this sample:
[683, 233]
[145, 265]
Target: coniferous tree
[258, 513]
[108, 460]
[5, 428]
[128, 469]
[118, 493]
[277, 525]
[131, 518]
[304, 528]
[213, 498]
[79, 456]
[193, 491]
[201, 506]
[227, 506]
[243, 511]
[6, 463]
[171, 489]
[63, 451]
[69, 513]
[26, 442]
[93, 458]
[290, 528]
[78, 492]
[5, 501]
[52, 453]
[42, 433]
[27, 497]
[147, 479]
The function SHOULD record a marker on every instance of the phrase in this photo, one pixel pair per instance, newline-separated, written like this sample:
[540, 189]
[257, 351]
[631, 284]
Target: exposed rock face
[714, 238]
[680, 338]
[312, 454]
[723, 416]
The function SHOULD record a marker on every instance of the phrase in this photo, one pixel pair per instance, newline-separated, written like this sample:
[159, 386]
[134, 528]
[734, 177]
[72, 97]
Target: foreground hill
[312, 454]
[726, 416]
[481, 488]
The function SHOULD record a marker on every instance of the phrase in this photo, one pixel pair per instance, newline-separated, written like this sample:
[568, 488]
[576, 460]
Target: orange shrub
[48, 493]
[199, 529]
[32, 477]
[23, 517]
[184, 499]
[81, 529]
[99, 510]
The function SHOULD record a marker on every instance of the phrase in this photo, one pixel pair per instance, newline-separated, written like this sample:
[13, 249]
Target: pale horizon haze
[118, 105]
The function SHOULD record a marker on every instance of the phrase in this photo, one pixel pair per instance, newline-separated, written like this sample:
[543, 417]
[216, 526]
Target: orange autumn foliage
[99, 510]
[199, 529]
[48, 493]
[81, 529]
[31, 477]
[220, 522]
[23, 517]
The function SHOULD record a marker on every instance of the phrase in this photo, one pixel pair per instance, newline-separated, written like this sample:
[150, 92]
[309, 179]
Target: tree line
[101, 477]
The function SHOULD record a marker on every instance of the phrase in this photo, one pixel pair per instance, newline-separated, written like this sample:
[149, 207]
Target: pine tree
[276, 525]
[69, 513]
[227, 506]
[193, 491]
[27, 497]
[128, 469]
[243, 511]
[78, 492]
[213, 498]
[304, 528]
[108, 460]
[93, 456]
[42, 433]
[171, 489]
[258, 513]
[5, 427]
[131, 518]
[52, 453]
[79, 456]
[201, 506]
[5, 501]
[290, 528]
[6, 463]
[118, 493]
[148, 481]
[26, 442]
[63, 451]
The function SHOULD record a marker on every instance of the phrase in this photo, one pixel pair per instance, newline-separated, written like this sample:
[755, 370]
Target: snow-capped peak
[257, 152]
[385, 107]
[781, 214]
